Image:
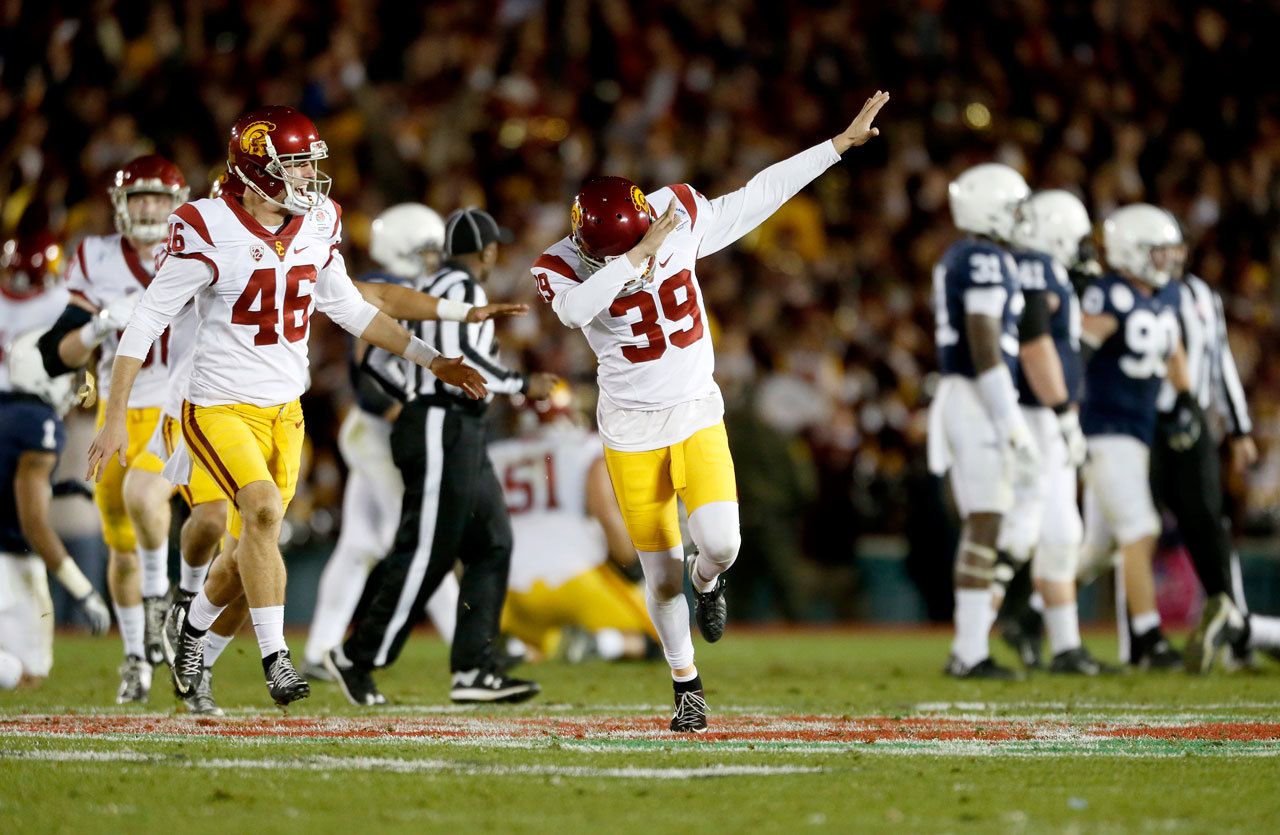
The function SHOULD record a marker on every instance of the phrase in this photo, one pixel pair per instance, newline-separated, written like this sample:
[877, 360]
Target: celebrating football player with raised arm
[106, 278]
[257, 261]
[625, 276]
[977, 432]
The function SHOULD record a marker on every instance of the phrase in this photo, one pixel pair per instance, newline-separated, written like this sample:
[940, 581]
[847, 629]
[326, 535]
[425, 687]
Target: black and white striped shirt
[1214, 379]
[474, 342]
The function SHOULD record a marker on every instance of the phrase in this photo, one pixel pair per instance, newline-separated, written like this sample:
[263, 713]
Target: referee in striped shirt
[453, 506]
[1185, 471]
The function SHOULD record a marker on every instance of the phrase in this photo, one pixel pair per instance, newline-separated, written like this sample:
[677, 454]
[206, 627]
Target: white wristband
[419, 352]
[450, 311]
[92, 334]
[73, 579]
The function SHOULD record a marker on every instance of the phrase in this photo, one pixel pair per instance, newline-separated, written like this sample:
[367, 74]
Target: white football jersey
[654, 344]
[17, 316]
[105, 268]
[254, 290]
[544, 481]
[182, 350]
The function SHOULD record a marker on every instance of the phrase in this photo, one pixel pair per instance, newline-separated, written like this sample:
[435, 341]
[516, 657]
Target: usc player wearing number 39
[258, 259]
[626, 276]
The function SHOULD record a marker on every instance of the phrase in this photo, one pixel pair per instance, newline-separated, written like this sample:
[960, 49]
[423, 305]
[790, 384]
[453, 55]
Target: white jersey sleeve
[338, 298]
[725, 219]
[184, 272]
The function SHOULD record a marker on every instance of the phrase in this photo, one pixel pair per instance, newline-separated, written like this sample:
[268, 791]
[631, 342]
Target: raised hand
[452, 371]
[493, 311]
[860, 129]
[652, 240]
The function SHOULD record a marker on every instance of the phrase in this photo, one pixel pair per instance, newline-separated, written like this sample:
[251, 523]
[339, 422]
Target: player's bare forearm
[124, 371]
[386, 333]
[984, 341]
[32, 495]
[1179, 377]
[399, 302]
[1043, 368]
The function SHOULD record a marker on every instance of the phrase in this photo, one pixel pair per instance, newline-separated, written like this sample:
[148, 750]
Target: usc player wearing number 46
[626, 277]
[258, 259]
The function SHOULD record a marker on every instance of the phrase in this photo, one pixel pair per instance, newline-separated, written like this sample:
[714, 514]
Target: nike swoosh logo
[664, 263]
[298, 249]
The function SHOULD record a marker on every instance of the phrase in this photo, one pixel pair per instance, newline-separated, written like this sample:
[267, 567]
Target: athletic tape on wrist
[73, 579]
[452, 311]
[420, 353]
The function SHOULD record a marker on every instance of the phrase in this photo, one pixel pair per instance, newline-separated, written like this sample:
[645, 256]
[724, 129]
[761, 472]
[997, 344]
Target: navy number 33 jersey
[1124, 375]
[974, 276]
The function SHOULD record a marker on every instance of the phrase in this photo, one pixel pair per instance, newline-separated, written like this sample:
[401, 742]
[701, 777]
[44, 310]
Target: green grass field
[812, 732]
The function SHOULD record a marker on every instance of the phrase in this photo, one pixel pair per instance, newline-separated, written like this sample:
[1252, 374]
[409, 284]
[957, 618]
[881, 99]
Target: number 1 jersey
[255, 290]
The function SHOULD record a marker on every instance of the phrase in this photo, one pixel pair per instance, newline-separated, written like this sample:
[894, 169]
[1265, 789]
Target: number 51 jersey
[1124, 376]
[255, 290]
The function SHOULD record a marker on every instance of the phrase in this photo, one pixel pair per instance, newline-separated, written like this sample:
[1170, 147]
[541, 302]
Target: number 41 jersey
[975, 276]
[255, 290]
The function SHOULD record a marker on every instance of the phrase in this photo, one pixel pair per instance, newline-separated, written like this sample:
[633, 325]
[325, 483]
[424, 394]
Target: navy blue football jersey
[978, 266]
[1123, 378]
[370, 396]
[26, 424]
[1039, 273]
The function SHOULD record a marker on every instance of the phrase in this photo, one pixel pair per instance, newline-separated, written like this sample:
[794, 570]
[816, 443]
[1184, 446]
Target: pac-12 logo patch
[256, 252]
[254, 138]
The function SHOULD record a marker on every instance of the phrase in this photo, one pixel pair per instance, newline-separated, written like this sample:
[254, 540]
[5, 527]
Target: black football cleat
[356, 684]
[283, 682]
[1220, 624]
[1025, 636]
[153, 614]
[690, 715]
[173, 619]
[984, 669]
[135, 681]
[1152, 651]
[709, 607]
[1078, 662]
[188, 660]
[201, 703]
[482, 686]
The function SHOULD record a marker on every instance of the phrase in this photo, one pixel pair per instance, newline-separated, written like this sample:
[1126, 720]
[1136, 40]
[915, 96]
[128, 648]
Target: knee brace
[717, 534]
[1056, 562]
[977, 561]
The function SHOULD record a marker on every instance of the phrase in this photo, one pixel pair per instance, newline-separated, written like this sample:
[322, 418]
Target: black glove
[1186, 422]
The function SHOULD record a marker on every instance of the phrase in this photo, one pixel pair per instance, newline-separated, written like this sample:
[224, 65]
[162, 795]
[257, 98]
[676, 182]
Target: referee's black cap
[471, 230]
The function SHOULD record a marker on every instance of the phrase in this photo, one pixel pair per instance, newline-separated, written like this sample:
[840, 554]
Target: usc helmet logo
[575, 215]
[637, 199]
[254, 138]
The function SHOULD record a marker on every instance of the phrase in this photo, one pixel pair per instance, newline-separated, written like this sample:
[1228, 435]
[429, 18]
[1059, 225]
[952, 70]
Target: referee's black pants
[453, 510]
[1189, 485]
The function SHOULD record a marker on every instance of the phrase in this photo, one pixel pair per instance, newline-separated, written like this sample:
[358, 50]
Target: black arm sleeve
[1035, 316]
[72, 317]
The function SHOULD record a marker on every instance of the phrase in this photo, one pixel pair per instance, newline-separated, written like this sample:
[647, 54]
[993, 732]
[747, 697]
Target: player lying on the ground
[626, 277]
[31, 437]
[258, 262]
[567, 593]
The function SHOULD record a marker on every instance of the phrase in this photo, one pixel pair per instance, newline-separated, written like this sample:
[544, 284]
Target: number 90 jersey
[1123, 378]
[652, 344]
[975, 276]
[255, 291]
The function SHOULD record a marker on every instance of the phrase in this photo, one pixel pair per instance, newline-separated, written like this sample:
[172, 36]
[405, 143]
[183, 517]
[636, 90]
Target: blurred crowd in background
[822, 318]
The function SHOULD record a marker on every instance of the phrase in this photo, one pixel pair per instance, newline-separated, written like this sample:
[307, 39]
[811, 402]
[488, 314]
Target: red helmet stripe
[557, 265]
[191, 216]
[685, 195]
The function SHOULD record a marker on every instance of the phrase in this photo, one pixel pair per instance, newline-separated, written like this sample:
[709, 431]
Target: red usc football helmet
[29, 265]
[264, 143]
[150, 174]
[608, 217]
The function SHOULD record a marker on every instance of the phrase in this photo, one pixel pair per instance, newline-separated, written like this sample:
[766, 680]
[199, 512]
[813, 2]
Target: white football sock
[973, 617]
[155, 569]
[10, 671]
[1144, 622]
[131, 622]
[268, 625]
[1264, 632]
[214, 644]
[610, 644]
[341, 584]
[665, 600]
[442, 607]
[203, 612]
[1063, 625]
[191, 578]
